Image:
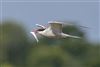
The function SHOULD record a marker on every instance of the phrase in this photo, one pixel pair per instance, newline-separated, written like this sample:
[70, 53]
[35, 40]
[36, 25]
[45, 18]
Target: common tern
[54, 30]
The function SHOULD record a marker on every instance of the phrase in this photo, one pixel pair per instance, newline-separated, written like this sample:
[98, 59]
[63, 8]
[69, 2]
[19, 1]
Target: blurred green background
[17, 49]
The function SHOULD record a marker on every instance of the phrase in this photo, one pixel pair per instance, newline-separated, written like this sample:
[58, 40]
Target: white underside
[50, 34]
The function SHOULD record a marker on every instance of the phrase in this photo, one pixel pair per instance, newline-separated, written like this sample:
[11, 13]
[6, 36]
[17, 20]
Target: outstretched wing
[55, 26]
[33, 33]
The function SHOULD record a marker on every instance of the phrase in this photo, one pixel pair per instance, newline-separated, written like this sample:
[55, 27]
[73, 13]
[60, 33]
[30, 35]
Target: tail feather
[67, 35]
[73, 36]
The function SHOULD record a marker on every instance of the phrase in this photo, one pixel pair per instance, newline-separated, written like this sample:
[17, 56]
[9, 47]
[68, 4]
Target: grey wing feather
[56, 26]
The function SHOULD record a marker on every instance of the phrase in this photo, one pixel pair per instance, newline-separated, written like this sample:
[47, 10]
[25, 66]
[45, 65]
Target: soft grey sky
[50, 0]
[30, 13]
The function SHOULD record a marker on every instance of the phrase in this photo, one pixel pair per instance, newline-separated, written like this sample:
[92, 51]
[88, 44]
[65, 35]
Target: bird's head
[38, 30]
[35, 31]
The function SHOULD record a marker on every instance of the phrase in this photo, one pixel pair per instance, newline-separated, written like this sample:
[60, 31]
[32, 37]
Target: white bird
[53, 31]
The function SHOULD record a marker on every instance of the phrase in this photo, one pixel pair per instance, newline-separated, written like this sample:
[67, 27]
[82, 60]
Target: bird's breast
[49, 34]
[46, 33]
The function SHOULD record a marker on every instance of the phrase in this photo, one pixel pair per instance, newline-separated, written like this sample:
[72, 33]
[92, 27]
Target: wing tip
[30, 32]
[35, 37]
[58, 22]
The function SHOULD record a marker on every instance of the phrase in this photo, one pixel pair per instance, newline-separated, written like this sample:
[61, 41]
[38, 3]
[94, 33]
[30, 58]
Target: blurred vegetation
[17, 51]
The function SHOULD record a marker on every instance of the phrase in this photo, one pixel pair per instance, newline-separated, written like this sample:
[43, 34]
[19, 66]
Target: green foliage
[14, 43]
[17, 51]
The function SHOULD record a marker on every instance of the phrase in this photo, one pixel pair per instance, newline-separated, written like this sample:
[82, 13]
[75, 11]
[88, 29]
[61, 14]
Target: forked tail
[73, 36]
[67, 35]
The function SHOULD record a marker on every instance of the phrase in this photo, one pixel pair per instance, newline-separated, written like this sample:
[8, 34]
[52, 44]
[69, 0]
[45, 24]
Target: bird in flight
[54, 30]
